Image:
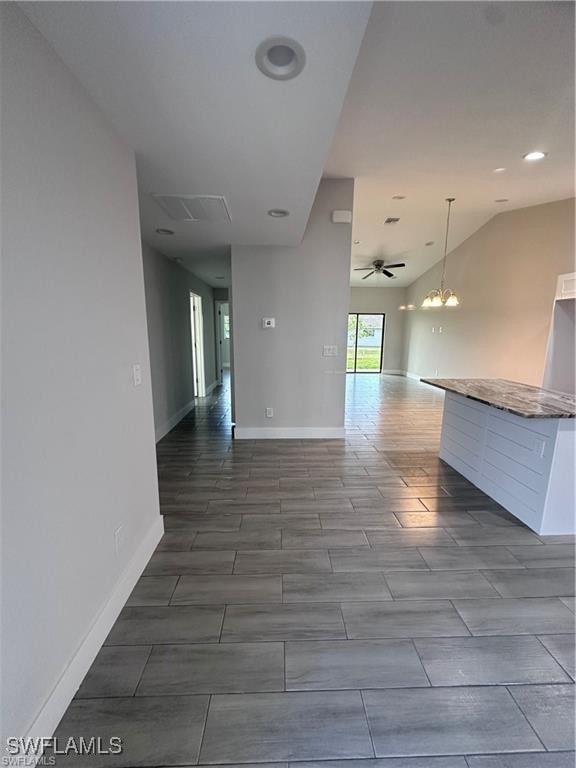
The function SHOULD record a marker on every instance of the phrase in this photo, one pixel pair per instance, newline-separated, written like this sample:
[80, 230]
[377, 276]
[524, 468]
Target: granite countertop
[519, 399]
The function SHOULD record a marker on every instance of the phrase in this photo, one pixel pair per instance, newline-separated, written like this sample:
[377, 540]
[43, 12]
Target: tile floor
[354, 601]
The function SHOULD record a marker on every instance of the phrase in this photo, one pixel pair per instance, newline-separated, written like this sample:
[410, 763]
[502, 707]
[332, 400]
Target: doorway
[223, 332]
[365, 343]
[197, 337]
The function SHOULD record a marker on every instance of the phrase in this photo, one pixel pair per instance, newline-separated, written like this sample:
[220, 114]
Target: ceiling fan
[379, 268]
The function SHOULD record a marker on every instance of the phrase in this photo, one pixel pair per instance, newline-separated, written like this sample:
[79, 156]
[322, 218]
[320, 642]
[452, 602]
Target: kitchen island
[517, 444]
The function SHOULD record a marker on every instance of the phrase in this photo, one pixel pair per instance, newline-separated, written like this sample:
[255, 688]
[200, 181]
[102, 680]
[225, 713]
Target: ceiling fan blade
[368, 275]
[361, 269]
[395, 266]
[388, 274]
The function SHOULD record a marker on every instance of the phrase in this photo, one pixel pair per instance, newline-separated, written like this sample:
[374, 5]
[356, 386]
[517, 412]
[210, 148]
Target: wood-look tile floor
[354, 601]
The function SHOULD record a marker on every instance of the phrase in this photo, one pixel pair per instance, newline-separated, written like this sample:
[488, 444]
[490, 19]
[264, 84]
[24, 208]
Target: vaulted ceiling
[418, 99]
[442, 94]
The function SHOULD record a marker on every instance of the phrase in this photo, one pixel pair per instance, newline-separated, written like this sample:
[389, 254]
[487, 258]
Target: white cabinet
[566, 286]
[526, 465]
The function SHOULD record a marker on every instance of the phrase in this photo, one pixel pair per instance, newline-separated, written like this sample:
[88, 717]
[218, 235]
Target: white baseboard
[393, 371]
[289, 433]
[163, 429]
[65, 689]
[212, 386]
[410, 375]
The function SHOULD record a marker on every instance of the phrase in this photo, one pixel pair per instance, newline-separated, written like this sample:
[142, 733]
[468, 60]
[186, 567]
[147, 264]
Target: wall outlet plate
[268, 322]
[330, 350]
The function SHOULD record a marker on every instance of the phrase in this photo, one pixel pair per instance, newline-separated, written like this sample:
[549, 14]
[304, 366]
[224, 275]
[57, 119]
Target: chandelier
[442, 297]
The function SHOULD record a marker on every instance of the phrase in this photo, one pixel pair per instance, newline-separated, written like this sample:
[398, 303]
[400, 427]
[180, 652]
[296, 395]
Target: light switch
[137, 374]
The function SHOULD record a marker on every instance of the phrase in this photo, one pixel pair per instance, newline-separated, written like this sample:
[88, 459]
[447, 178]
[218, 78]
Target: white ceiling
[179, 82]
[443, 93]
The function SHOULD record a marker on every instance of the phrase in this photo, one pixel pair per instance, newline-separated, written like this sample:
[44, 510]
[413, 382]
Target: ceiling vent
[391, 220]
[194, 207]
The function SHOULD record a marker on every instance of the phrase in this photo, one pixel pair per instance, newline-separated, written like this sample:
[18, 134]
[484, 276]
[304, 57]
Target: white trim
[410, 375]
[393, 371]
[289, 433]
[212, 386]
[65, 689]
[173, 420]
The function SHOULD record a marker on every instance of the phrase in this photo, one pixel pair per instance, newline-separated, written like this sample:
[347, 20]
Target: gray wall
[307, 290]
[387, 301]
[168, 288]
[78, 456]
[505, 275]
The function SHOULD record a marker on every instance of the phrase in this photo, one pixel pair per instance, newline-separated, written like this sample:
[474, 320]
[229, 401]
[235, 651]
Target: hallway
[336, 600]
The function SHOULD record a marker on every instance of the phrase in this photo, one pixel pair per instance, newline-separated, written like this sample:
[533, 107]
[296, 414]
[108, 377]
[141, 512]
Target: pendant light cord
[449, 200]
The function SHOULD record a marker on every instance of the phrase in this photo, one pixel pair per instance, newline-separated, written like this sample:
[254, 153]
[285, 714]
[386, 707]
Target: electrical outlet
[330, 350]
[269, 413]
[119, 540]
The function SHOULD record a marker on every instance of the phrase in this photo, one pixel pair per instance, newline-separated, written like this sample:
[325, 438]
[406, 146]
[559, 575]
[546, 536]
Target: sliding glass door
[365, 343]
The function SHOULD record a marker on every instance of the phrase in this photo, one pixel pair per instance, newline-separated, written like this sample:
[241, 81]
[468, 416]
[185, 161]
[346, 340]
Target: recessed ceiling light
[399, 197]
[535, 155]
[280, 58]
[502, 200]
[498, 170]
[278, 213]
[430, 242]
[163, 231]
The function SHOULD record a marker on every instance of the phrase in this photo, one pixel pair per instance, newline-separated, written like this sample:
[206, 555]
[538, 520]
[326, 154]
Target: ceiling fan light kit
[378, 267]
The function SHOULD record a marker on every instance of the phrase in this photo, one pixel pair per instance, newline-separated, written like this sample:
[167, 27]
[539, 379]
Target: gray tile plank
[161, 730]
[410, 537]
[443, 721]
[323, 539]
[510, 616]
[282, 561]
[563, 648]
[533, 582]
[213, 668]
[181, 563]
[287, 726]
[494, 536]
[488, 661]
[391, 762]
[407, 618]
[434, 519]
[153, 590]
[468, 558]
[550, 711]
[339, 664]
[236, 540]
[114, 672]
[524, 760]
[258, 623]
[428, 585]
[334, 587]
[226, 589]
[385, 559]
[360, 520]
[174, 624]
[546, 556]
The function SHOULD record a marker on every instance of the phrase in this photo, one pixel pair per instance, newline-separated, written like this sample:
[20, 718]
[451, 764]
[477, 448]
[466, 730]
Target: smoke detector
[194, 207]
